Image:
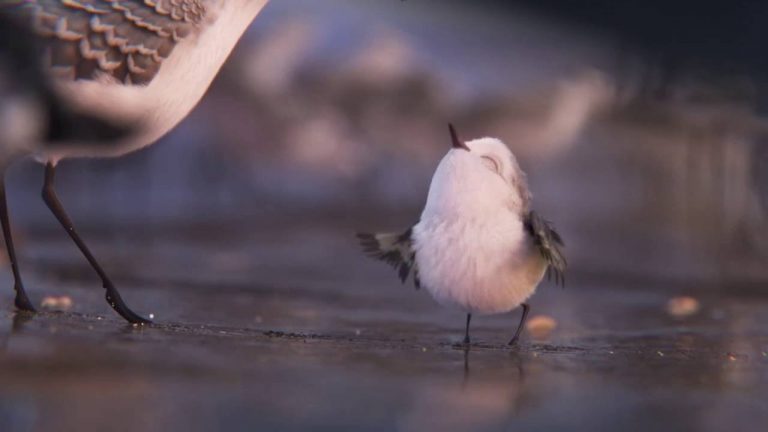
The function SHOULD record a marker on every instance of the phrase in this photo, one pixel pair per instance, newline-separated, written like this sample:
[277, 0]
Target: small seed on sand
[682, 306]
[540, 326]
[56, 303]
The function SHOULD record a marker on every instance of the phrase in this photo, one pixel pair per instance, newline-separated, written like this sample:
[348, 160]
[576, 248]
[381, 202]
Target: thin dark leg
[113, 296]
[522, 323]
[466, 332]
[466, 366]
[22, 301]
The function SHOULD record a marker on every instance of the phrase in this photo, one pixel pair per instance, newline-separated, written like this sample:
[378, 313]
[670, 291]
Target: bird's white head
[477, 178]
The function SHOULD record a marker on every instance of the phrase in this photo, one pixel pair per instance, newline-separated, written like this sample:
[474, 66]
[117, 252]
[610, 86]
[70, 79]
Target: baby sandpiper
[478, 246]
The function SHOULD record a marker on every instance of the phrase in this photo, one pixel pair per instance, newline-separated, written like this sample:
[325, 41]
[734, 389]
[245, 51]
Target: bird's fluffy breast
[479, 267]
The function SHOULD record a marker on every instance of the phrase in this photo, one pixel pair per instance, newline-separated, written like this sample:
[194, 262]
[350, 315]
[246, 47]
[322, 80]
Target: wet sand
[296, 330]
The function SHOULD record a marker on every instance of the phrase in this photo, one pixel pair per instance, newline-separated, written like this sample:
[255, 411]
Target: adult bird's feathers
[395, 250]
[549, 243]
[127, 40]
[23, 76]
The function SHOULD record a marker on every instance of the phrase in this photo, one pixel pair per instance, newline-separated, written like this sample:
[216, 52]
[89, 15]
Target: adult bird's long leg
[22, 301]
[112, 295]
[466, 331]
[522, 323]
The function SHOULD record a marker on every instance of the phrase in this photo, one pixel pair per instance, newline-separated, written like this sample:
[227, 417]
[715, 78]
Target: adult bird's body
[478, 247]
[139, 64]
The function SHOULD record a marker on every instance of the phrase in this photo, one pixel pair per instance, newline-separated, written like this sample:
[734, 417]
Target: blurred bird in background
[94, 78]
[546, 123]
[478, 246]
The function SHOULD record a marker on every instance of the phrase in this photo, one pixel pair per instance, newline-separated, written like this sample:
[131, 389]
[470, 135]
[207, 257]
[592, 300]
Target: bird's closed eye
[491, 164]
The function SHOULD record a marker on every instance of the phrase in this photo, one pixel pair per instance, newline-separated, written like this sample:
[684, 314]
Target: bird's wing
[127, 40]
[23, 80]
[395, 250]
[549, 243]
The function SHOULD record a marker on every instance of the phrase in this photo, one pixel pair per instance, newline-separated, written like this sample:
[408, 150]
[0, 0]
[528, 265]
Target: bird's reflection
[18, 320]
[466, 366]
[489, 393]
[515, 358]
[4, 341]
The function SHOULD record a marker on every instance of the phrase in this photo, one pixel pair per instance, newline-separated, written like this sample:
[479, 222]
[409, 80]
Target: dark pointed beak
[455, 141]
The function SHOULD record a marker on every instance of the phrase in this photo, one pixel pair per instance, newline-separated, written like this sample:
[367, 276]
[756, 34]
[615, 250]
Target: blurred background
[641, 132]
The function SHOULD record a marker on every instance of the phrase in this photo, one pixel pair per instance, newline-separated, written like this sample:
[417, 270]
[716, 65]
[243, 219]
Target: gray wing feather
[22, 77]
[549, 243]
[127, 40]
[395, 250]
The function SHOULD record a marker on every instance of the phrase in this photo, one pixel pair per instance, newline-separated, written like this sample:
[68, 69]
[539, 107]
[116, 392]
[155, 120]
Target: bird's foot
[21, 301]
[463, 345]
[114, 300]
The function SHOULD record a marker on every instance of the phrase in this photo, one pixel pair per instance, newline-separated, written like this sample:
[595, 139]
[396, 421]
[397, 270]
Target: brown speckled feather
[125, 39]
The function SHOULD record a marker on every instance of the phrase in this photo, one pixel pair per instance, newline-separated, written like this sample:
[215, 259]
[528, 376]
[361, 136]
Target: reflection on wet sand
[481, 399]
[332, 342]
[18, 320]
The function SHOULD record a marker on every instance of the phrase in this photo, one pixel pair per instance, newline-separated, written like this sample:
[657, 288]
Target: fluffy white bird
[478, 246]
[139, 64]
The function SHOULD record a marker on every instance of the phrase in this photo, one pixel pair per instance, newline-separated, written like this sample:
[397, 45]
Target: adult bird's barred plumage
[25, 85]
[126, 40]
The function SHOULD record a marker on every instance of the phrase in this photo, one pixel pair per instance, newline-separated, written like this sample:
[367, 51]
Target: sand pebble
[540, 325]
[683, 306]
[56, 303]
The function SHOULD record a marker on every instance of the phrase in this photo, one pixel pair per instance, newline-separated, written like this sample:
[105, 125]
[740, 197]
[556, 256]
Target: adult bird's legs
[21, 301]
[112, 295]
